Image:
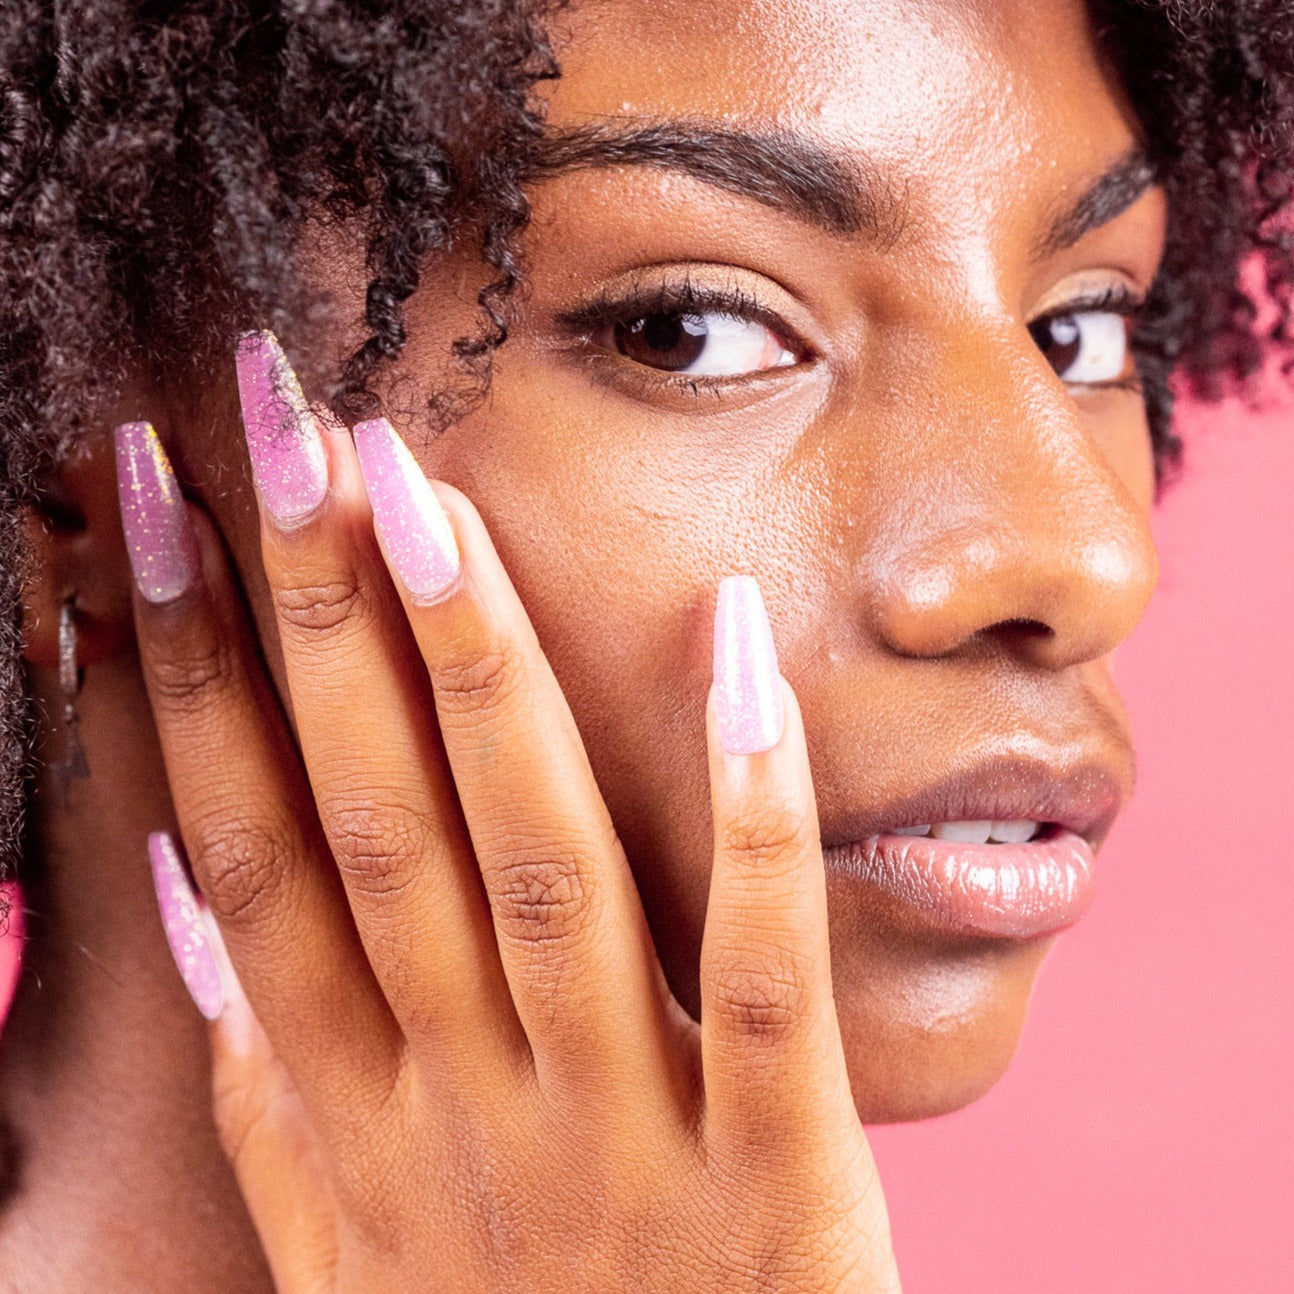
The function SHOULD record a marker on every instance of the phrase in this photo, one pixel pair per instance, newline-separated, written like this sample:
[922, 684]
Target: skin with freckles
[949, 531]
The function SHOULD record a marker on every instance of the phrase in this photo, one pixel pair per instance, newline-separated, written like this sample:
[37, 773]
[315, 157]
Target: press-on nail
[412, 526]
[163, 553]
[188, 929]
[748, 687]
[288, 459]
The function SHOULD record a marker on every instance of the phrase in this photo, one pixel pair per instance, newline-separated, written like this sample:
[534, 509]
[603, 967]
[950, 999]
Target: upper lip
[1083, 797]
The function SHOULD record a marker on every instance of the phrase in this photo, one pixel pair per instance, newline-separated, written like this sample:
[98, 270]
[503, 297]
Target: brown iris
[668, 341]
[1060, 338]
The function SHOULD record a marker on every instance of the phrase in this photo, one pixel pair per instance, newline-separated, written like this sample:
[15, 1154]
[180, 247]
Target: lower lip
[1000, 891]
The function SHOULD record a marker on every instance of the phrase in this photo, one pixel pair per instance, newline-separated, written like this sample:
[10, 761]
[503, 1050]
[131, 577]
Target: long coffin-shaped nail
[412, 526]
[163, 551]
[748, 687]
[187, 925]
[288, 459]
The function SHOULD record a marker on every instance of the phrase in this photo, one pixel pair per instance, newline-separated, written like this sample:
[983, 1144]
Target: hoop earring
[74, 764]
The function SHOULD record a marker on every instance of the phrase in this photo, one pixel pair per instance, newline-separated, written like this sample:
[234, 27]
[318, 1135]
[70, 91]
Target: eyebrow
[780, 169]
[1110, 196]
[789, 172]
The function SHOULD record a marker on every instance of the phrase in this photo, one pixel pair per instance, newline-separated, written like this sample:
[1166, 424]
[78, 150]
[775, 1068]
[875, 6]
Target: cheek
[616, 540]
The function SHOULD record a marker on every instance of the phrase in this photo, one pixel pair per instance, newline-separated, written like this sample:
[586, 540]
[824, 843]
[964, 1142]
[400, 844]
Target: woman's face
[829, 293]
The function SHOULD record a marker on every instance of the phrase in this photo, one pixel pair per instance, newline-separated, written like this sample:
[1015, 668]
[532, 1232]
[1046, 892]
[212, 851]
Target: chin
[928, 1031]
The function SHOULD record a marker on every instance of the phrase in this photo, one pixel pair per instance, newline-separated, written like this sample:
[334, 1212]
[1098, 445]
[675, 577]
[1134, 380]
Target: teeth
[969, 833]
[1013, 833]
[974, 833]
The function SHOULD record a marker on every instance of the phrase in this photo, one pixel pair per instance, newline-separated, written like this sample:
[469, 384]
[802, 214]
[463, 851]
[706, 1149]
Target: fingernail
[748, 687]
[288, 460]
[188, 927]
[412, 526]
[163, 552]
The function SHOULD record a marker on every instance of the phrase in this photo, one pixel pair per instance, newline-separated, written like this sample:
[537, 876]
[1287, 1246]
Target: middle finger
[366, 725]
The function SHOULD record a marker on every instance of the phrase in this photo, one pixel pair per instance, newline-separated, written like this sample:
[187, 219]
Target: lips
[936, 853]
[999, 891]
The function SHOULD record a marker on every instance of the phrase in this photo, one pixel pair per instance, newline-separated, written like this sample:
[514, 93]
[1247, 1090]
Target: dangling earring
[74, 763]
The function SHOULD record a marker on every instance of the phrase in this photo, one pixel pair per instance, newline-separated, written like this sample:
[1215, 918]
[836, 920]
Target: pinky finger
[773, 1059]
[263, 1128]
[277, 1160]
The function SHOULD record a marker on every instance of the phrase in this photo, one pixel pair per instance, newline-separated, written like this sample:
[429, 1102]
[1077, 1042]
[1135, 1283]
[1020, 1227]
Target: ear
[76, 552]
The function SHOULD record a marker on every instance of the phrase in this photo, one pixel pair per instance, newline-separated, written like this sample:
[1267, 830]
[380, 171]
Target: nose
[1026, 536]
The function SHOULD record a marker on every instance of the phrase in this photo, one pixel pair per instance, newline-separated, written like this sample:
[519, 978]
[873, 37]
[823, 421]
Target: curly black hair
[162, 162]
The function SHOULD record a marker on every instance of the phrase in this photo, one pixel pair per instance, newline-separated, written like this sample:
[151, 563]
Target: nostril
[1020, 632]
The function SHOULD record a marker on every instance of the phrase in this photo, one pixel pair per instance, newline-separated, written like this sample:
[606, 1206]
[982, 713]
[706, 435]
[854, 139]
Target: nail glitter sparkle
[414, 531]
[288, 459]
[748, 687]
[163, 553]
[186, 926]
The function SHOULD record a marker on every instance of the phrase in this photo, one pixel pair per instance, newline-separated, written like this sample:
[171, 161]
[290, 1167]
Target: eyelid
[1091, 293]
[677, 290]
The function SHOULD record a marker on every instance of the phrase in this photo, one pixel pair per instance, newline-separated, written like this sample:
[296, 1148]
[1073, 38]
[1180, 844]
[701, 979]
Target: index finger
[772, 1054]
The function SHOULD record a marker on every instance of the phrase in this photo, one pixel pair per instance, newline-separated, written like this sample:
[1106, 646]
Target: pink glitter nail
[163, 553]
[748, 688]
[412, 526]
[288, 459]
[186, 926]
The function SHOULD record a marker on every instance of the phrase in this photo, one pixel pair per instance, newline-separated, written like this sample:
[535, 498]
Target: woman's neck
[118, 1180]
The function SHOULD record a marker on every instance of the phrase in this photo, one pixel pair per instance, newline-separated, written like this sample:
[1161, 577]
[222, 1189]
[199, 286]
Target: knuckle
[761, 1001]
[240, 864]
[378, 849]
[237, 1118]
[320, 607]
[769, 836]
[542, 896]
[187, 680]
[481, 682]
[241, 1109]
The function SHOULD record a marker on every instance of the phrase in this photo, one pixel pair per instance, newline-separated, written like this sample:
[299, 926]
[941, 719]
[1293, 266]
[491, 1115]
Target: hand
[461, 1068]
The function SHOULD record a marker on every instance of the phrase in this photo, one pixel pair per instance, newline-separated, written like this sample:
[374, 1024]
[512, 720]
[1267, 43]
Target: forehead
[982, 95]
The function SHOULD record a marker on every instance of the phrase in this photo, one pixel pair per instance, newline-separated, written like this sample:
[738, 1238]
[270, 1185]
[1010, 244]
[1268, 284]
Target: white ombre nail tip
[748, 687]
[186, 924]
[414, 531]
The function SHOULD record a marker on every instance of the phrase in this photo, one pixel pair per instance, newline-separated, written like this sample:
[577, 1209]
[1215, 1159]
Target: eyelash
[1120, 300]
[608, 310]
[1113, 300]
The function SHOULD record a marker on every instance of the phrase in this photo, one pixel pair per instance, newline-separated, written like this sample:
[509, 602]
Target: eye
[1086, 346]
[700, 344]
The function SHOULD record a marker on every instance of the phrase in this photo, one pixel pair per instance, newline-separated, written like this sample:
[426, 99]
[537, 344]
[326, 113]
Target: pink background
[1142, 1140]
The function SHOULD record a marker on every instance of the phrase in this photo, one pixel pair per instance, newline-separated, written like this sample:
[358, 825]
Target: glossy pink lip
[998, 891]
[990, 890]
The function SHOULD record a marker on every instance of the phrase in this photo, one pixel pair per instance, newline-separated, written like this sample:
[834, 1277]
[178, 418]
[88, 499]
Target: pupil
[666, 341]
[1060, 339]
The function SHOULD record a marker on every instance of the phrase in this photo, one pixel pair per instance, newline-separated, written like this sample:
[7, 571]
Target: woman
[832, 299]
